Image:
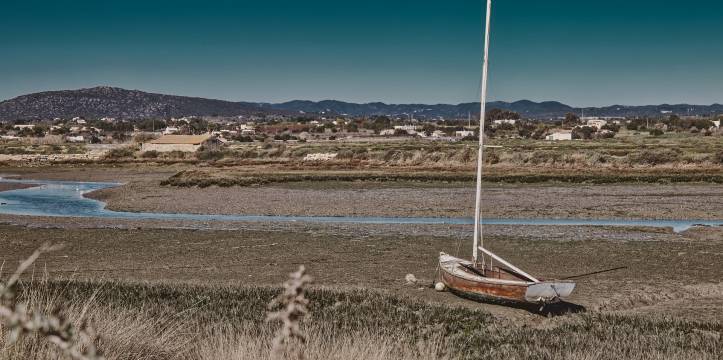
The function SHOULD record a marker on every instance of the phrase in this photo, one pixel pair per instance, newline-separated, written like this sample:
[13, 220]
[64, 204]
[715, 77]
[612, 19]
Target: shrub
[345, 154]
[654, 158]
[142, 138]
[285, 137]
[718, 157]
[247, 154]
[491, 158]
[209, 154]
[151, 154]
[119, 153]
[243, 138]
[584, 132]
[656, 132]
[176, 154]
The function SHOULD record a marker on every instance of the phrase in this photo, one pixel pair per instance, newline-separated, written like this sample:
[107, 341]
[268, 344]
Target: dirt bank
[9, 186]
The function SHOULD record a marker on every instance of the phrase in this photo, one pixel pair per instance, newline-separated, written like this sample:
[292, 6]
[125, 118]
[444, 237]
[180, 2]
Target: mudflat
[644, 201]
[12, 186]
[665, 273]
[142, 191]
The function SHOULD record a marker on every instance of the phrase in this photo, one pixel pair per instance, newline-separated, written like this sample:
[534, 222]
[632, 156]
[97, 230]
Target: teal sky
[583, 53]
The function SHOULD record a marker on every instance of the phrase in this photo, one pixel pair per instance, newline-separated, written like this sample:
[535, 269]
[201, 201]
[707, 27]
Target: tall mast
[478, 239]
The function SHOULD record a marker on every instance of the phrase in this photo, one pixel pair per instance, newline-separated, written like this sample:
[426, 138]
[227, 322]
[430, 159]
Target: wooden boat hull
[497, 284]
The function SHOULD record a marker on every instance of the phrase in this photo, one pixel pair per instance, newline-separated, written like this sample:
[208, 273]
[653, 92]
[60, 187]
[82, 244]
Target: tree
[505, 126]
[428, 129]
[571, 119]
[500, 114]
[611, 127]
[39, 131]
[702, 124]
[584, 132]
[380, 123]
[150, 125]
[198, 126]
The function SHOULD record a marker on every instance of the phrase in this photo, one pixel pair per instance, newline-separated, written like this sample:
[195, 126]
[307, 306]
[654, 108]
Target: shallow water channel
[65, 199]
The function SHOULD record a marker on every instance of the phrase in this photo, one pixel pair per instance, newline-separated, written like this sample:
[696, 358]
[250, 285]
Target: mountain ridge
[106, 101]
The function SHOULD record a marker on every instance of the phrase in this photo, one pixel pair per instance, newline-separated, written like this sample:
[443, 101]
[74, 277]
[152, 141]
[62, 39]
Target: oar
[594, 273]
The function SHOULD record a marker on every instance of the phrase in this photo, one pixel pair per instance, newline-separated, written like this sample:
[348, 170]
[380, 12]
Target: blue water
[65, 199]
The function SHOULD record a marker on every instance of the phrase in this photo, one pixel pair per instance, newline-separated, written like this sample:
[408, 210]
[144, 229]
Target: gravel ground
[648, 201]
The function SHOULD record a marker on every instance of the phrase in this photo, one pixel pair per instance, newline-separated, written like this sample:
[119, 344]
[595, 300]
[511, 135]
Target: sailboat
[479, 278]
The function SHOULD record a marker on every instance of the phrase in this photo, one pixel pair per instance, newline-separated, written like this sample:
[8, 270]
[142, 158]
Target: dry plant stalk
[293, 308]
[17, 320]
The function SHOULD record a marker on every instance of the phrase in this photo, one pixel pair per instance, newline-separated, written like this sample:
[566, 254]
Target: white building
[387, 132]
[407, 128]
[597, 123]
[320, 156]
[505, 121]
[716, 123]
[21, 127]
[75, 139]
[170, 130]
[464, 133]
[559, 135]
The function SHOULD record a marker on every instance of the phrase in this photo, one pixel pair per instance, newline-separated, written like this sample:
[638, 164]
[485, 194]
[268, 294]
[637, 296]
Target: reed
[173, 321]
[21, 320]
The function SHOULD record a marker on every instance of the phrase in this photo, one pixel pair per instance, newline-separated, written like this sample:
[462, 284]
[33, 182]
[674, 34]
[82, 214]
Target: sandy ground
[667, 273]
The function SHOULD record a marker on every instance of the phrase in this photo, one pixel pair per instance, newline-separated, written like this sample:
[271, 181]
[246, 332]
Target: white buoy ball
[439, 286]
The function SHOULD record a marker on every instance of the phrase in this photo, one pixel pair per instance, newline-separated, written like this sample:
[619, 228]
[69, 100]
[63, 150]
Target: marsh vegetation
[164, 321]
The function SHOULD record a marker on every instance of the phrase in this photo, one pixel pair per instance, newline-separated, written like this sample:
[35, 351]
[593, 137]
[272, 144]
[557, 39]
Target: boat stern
[549, 291]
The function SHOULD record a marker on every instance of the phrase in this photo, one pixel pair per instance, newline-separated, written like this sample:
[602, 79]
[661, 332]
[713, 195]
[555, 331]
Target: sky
[582, 53]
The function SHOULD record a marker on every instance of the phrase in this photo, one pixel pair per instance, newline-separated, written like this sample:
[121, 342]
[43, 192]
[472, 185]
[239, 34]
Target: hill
[99, 102]
[119, 103]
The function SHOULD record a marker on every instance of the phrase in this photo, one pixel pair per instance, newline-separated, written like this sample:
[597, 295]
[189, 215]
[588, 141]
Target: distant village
[188, 134]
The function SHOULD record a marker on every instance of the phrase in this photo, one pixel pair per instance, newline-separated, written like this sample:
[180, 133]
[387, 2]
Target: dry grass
[22, 319]
[246, 345]
[136, 321]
